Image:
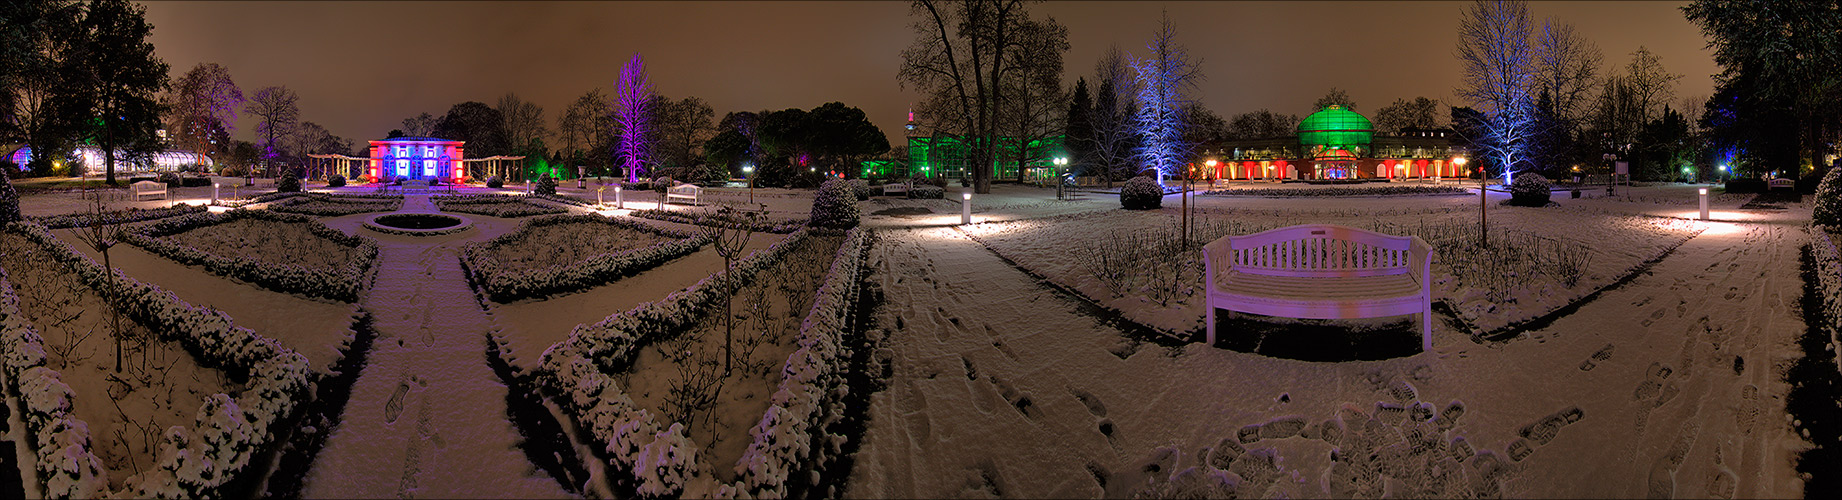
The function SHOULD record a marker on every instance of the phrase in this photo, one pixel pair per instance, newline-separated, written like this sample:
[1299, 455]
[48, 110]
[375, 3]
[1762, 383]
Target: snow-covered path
[427, 417]
[1668, 386]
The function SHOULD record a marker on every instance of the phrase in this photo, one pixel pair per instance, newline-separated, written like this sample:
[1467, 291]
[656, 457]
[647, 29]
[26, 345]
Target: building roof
[418, 139]
[1335, 127]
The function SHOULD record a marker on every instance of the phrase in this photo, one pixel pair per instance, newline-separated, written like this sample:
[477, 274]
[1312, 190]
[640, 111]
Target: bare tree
[524, 120]
[1651, 85]
[202, 104]
[1036, 106]
[1566, 68]
[1114, 137]
[728, 235]
[422, 125]
[101, 231]
[1496, 51]
[683, 125]
[1336, 97]
[280, 113]
[585, 125]
[1420, 112]
[959, 62]
[1261, 124]
[1165, 77]
[633, 118]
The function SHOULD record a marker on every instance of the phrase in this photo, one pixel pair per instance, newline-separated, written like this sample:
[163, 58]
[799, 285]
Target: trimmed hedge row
[574, 374]
[1338, 192]
[341, 285]
[327, 205]
[117, 217]
[229, 432]
[496, 205]
[707, 219]
[60, 442]
[262, 198]
[790, 437]
[1828, 261]
[485, 272]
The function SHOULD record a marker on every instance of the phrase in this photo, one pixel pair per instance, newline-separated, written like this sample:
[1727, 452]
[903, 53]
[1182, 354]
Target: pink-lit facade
[418, 158]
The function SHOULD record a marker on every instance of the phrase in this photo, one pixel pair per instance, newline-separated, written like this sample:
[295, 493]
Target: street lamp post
[1060, 163]
[749, 171]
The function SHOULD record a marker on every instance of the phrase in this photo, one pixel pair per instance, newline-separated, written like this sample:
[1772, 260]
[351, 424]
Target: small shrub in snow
[926, 192]
[495, 182]
[1141, 193]
[290, 182]
[546, 185]
[835, 205]
[1529, 190]
[861, 188]
[1828, 209]
[335, 180]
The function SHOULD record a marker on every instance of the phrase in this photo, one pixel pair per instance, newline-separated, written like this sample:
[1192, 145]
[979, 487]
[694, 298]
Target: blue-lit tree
[1496, 49]
[633, 118]
[1163, 77]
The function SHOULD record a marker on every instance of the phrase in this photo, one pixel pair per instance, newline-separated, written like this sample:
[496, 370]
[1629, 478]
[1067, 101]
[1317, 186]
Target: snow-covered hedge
[835, 206]
[1141, 193]
[566, 200]
[228, 432]
[496, 205]
[790, 436]
[9, 200]
[1828, 261]
[926, 192]
[340, 284]
[262, 198]
[1828, 208]
[329, 205]
[66, 466]
[503, 286]
[710, 219]
[574, 374]
[119, 216]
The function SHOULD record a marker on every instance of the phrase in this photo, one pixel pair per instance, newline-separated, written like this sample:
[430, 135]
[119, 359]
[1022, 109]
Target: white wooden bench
[1781, 183]
[147, 188]
[894, 188]
[1320, 271]
[683, 192]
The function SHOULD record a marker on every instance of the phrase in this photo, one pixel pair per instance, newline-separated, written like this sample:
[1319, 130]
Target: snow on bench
[1781, 183]
[1320, 271]
[147, 188]
[895, 187]
[683, 192]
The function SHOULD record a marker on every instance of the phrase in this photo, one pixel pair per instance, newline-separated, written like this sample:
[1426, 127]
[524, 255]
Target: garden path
[1000, 386]
[427, 417]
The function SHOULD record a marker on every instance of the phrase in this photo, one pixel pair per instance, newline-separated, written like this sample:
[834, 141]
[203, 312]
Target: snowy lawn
[336, 205]
[269, 242]
[494, 205]
[561, 254]
[1137, 263]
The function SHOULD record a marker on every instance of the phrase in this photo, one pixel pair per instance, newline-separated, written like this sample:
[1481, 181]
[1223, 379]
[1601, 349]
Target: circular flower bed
[418, 224]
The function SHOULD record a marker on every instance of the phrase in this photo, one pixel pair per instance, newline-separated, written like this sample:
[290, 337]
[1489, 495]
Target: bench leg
[1426, 329]
[1209, 323]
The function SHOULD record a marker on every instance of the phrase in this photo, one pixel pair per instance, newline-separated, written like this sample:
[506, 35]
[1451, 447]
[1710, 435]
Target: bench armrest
[1216, 254]
[1420, 262]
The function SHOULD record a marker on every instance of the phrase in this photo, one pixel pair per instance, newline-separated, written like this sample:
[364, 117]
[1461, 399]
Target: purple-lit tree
[633, 118]
[277, 108]
[1163, 77]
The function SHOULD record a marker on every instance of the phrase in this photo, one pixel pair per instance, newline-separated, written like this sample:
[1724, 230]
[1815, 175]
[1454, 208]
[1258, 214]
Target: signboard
[1621, 168]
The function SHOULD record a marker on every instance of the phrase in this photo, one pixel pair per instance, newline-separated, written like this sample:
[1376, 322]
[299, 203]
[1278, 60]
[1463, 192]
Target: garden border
[705, 219]
[381, 203]
[128, 216]
[593, 271]
[229, 432]
[477, 204]
[341, 285]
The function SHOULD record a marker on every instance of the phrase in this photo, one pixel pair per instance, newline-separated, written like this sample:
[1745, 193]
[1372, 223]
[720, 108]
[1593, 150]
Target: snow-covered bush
[1141, 193]
[1828, 209]
[340, 284]
[861, 188]
[503, 286]
[331, 205]
[9, 201]
[60, 442]
[119, 216]
[1529, 190]
[545, 185]
[926, 192]
[335, 180]
[495, 182]
[835, 205]
[1337, 192]
[495, 205]
[288, 183]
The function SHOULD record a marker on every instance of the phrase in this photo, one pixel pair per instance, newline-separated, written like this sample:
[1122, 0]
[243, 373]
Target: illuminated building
[1337, 143]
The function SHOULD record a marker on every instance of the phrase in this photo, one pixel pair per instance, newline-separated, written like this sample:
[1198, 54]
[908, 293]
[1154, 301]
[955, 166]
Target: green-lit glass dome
[1335, 128]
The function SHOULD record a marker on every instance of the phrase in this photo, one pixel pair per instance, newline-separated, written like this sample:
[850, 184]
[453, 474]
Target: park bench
[683, 192]
[1781, 183]
[1320, 271]
[147, 188]
[894, 188]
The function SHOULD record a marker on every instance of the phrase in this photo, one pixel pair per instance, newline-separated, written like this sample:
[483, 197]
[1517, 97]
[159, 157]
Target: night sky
[360, 68]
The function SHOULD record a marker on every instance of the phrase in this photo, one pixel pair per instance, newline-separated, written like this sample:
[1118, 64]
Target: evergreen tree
[1080, 130]
[122, 78]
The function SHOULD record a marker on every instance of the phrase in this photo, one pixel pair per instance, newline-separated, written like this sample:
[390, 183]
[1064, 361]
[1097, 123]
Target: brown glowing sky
[361, 67]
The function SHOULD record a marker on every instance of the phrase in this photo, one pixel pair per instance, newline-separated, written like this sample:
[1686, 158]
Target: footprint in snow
[394, 407]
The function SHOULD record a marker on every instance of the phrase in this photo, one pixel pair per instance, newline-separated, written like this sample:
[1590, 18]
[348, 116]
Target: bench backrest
[1313, 250]
[146, 186]
[685, 189]
[1781, 183]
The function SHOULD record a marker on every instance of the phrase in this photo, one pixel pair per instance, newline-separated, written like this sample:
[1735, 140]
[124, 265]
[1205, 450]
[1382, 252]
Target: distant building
[418, 158]
[950, 157]
[1336, 143]
[164, 161]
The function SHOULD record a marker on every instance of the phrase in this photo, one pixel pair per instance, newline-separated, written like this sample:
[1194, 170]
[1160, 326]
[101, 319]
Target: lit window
[402, 150]
[428, 151]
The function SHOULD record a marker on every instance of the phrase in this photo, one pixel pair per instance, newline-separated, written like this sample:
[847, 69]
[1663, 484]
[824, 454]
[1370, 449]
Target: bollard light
[1704, 203]
[965, 208]
[214, 187]
[598, 191]
[617, 203]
